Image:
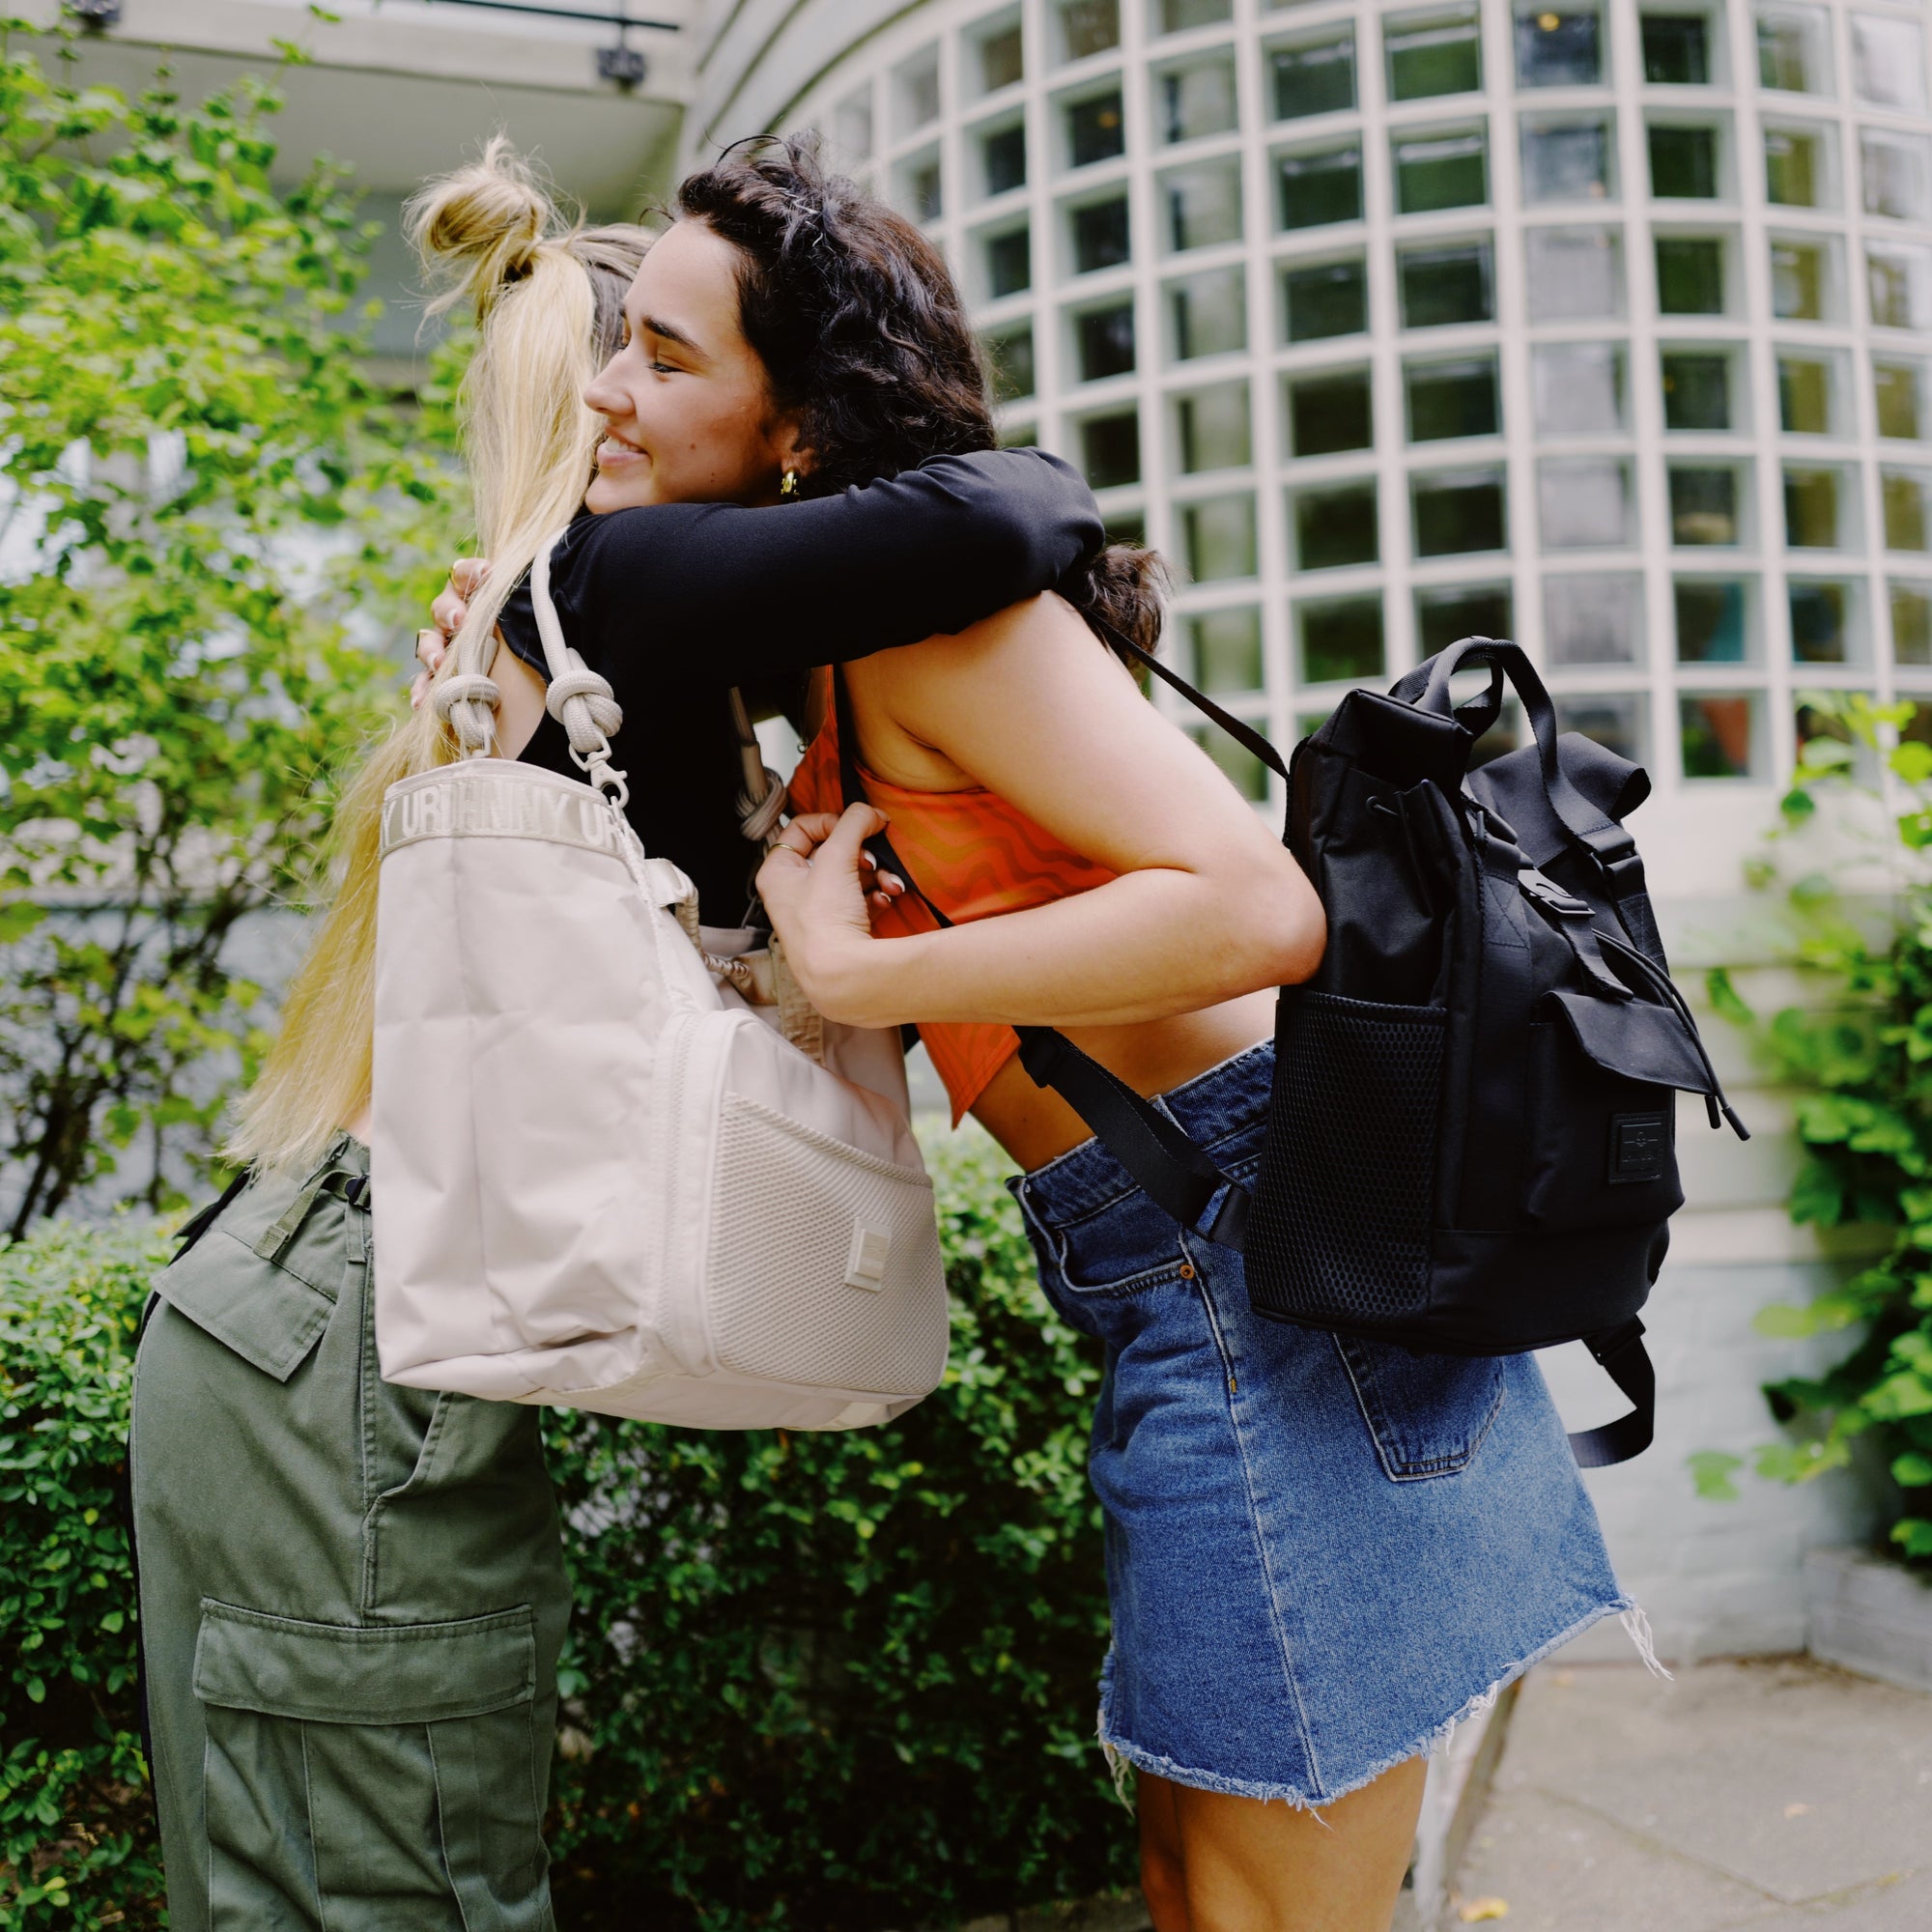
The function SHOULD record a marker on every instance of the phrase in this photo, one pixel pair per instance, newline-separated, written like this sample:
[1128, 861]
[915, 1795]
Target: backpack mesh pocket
[1340, 1228]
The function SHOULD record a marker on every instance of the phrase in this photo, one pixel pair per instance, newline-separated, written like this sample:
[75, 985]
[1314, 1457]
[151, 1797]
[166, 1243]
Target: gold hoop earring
[788, 487]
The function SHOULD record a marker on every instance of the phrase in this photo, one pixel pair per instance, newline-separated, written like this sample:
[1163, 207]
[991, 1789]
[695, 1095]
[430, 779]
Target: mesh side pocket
[1340, 1228]
[824, 1261]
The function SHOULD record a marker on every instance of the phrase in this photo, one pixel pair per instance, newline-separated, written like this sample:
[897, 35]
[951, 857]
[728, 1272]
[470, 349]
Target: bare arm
[1209, 904]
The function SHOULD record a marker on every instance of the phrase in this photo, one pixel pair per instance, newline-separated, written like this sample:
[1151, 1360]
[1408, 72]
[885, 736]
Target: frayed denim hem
[1121, 1756]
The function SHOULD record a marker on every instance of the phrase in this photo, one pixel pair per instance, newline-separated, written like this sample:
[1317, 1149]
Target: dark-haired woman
[1319, 1559]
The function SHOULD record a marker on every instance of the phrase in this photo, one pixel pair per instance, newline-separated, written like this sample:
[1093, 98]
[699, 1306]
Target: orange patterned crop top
[976, 855]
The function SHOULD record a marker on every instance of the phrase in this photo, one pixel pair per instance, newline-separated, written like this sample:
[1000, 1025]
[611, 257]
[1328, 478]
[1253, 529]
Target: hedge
[814, 1682]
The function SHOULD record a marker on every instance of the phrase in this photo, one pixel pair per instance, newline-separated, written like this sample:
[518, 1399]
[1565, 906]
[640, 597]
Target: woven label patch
[866, 1265]
[1639, 1145]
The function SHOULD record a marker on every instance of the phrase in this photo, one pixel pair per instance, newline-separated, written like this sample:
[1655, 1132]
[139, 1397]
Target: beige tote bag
[600, 1176]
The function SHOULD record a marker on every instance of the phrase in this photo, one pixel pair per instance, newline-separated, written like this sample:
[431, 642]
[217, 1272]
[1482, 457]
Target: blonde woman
[353, 1596]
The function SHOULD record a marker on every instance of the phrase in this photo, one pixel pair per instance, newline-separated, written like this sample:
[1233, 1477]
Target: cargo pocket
[358, 1775]
[1340, 1229]
[1427, 1414]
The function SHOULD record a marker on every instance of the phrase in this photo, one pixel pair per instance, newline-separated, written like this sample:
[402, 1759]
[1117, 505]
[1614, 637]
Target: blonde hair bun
[480, 228]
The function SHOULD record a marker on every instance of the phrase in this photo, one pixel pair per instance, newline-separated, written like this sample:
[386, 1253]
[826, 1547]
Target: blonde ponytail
[546, 299]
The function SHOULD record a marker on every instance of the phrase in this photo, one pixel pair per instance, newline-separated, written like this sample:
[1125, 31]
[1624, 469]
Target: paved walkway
[1767, 1796]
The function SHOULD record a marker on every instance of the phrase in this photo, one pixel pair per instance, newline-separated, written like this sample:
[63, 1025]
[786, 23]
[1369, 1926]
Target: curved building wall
[1603, 326]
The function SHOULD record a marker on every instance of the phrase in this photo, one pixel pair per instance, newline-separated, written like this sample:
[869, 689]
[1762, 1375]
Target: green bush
[1865, 1055]
[814, 1680]
[76, 1825]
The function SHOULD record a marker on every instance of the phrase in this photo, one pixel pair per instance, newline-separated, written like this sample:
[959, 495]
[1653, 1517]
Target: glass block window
[1447, 615]
[1911, 622]
[1793, 171]
[1902, 495]
[1452, 399]
[1711, 621]
[1566, 160]
[1003, 159]
[1820, 623]
[1433, 53]
[1676, 50]
[1811, 508]
[1008, 262]
[1316, 77]
[1209, 312]
[1717, 736]
[1578, 387]
[1097, 129]
[1799, 283]
[1440, 286]
[1696, 389]
[1110, 448]
[1010, 361]
[1459, 512]
[1583, 502]
[1335, 526]
[1330, 412]
[1558, 47]
[1325, 299]
[1178, 16]
[1089, 28]
[1615, 720]
[1100, 235]
[1592, 619]
[1684, 163]
[1441, 171]
[1690, 274]
[1203, 205]
[1104, 341]
[1001, 59]
[1900, 389]
[1791, 49]
[1197, 100]
[852, 126]
[1218, 537]
[1889, 60]
[1899, 284]
[1212, 429]
[915, 87]
[1804, 395]
[1320, 187]
[1226, 646]
[1703, 504]
[1576, 274]
[1342, 638]
[923, 196]
[1895, 170]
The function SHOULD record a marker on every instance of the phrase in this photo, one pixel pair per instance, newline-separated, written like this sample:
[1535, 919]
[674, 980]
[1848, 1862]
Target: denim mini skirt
[1322, 1553]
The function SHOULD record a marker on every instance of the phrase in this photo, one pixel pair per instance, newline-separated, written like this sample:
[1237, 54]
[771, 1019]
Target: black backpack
[1470, 1143]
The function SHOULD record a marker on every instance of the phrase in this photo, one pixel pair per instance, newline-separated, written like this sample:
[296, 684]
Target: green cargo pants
[352, 1595]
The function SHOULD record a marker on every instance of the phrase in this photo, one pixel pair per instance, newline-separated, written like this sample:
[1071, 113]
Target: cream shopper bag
[600, 1177]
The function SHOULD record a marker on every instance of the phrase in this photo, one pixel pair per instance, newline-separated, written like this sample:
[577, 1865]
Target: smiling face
[686, 407]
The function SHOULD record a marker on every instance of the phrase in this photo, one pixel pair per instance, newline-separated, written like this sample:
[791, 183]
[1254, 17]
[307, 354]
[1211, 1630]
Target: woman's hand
[447, 613]
[821, 886]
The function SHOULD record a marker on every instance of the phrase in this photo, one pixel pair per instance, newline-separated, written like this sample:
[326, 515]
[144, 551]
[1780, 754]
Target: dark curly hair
[864, 338]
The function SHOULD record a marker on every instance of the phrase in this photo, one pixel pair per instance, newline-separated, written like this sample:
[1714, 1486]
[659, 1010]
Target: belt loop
[272, 1245]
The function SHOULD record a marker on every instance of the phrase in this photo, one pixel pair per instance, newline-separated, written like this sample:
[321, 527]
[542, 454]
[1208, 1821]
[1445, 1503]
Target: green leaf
[1711, 1473]
[1913, 1470]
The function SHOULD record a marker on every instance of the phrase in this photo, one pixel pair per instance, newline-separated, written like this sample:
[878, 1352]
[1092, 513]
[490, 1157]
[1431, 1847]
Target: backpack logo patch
[1638, 1146]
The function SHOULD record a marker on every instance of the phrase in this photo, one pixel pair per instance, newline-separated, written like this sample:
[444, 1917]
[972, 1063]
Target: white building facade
[1602, 325]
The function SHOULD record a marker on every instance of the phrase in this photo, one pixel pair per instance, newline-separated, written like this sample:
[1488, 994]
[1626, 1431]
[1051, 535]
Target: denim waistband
[1228, 1102]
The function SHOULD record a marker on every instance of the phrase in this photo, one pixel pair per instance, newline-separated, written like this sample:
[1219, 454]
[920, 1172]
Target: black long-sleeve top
[675, 603]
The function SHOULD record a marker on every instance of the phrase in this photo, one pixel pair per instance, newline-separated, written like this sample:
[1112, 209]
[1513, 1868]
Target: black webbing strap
[1155, 1151]
[1626, 1362]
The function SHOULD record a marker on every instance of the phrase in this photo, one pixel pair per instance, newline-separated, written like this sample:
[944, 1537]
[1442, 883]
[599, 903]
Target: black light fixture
[625, 65]
[97, 16]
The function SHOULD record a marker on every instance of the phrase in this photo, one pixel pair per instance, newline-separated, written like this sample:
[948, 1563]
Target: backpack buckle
[1547, 891]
